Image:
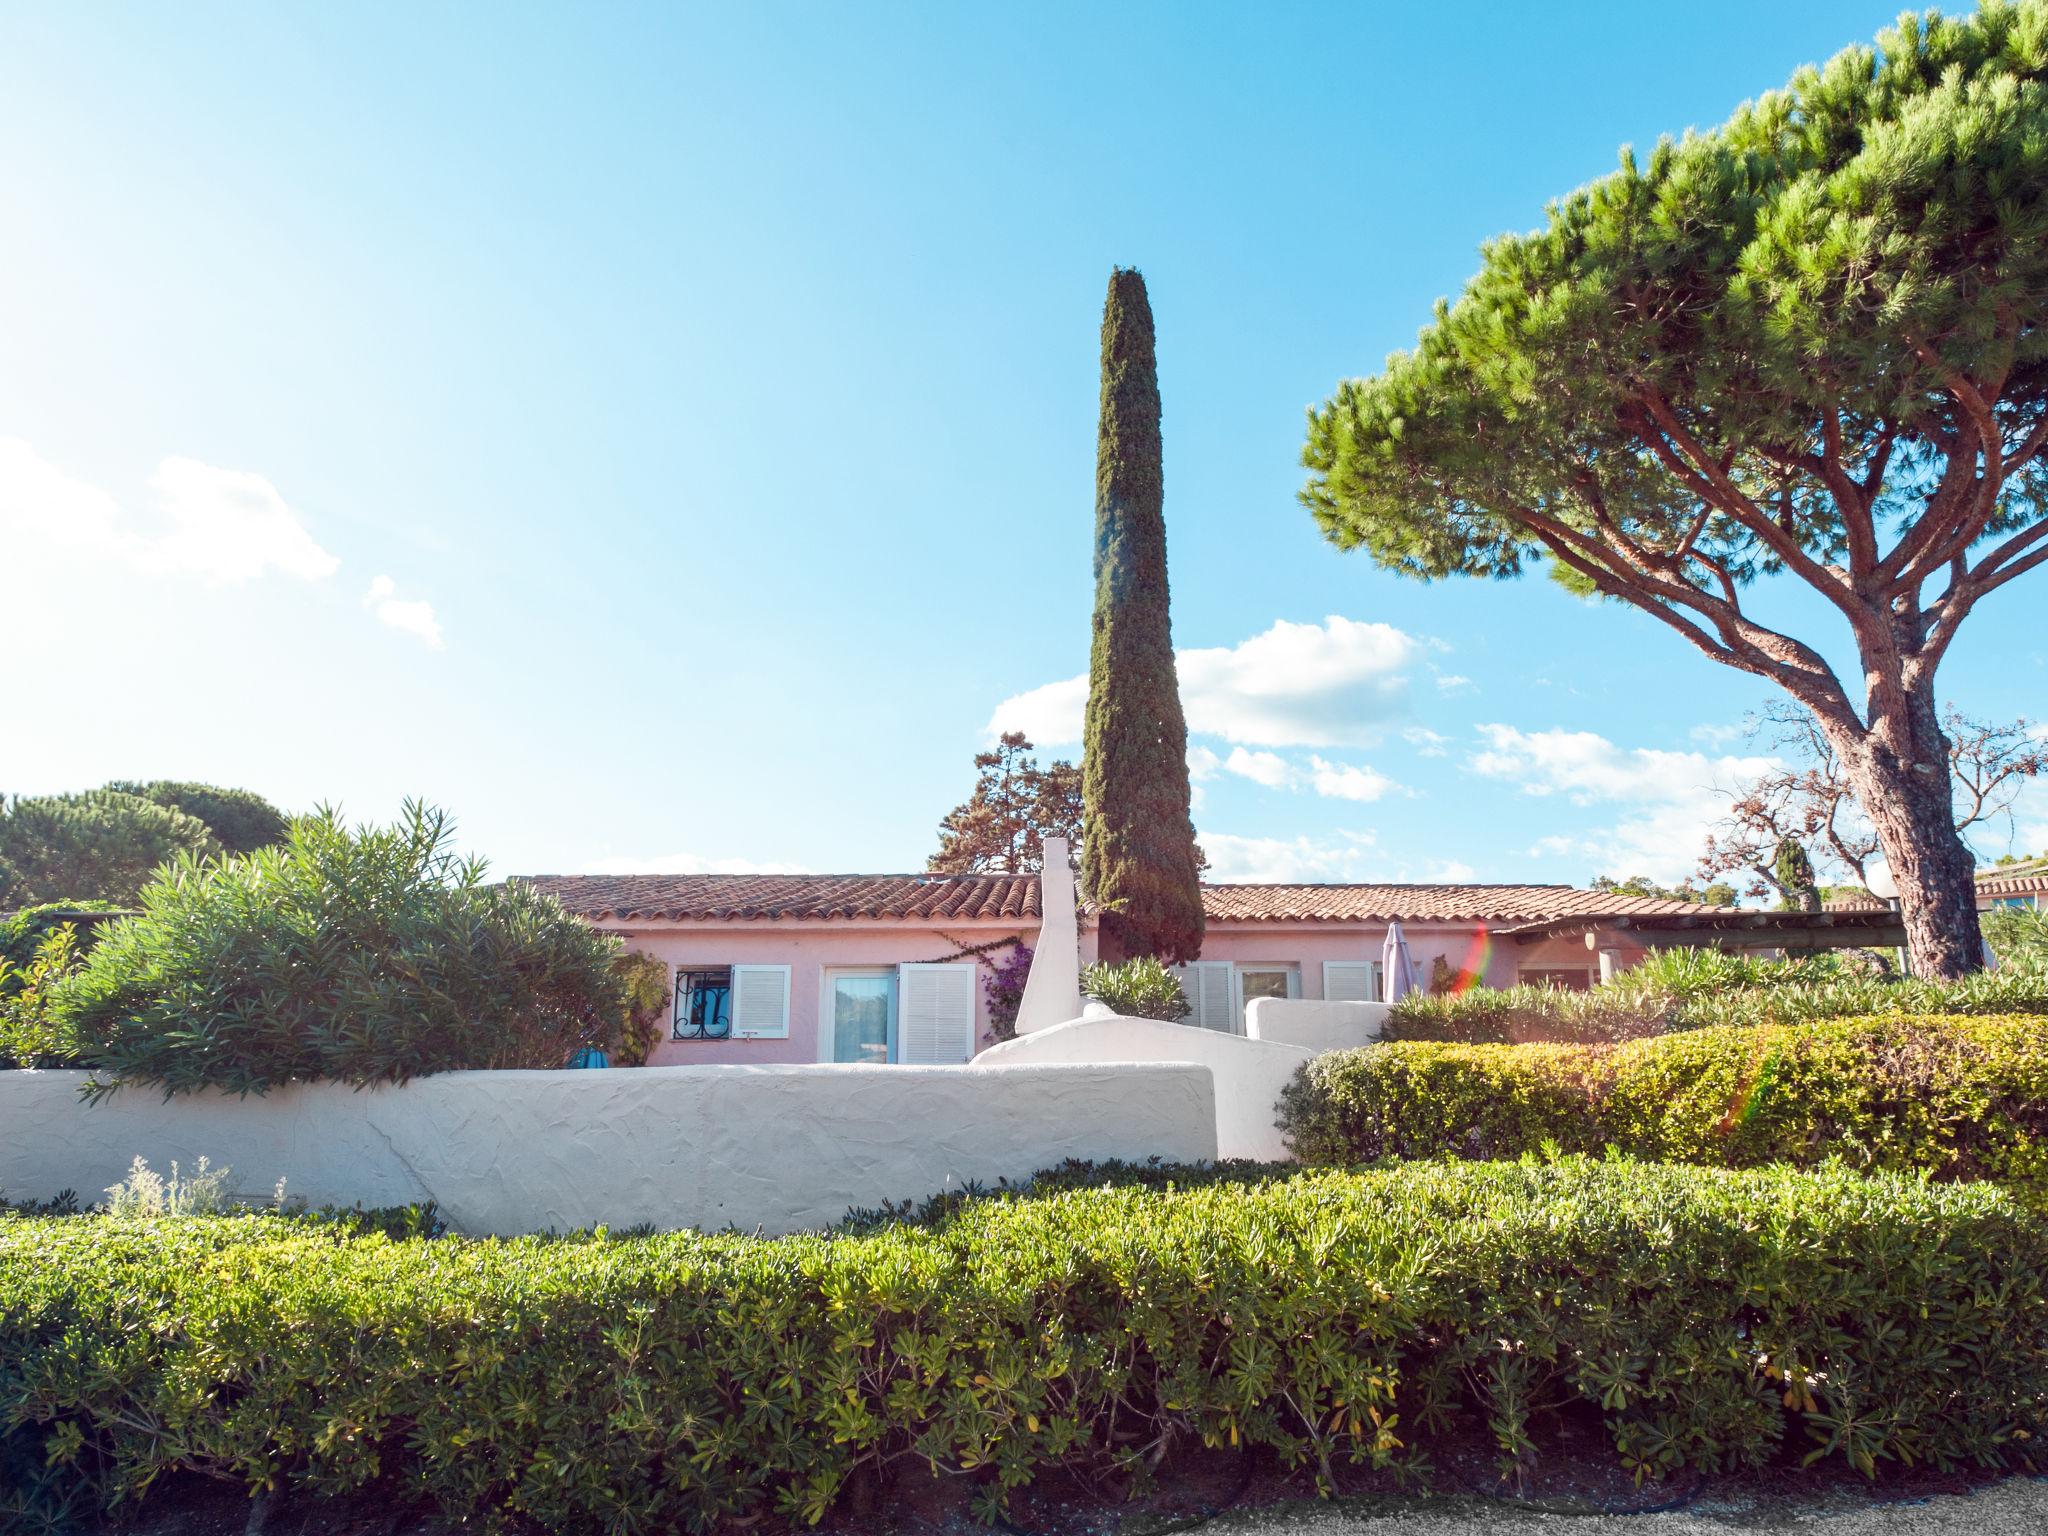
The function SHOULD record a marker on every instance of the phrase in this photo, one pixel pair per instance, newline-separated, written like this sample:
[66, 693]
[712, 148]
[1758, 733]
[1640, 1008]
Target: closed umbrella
[1397, 966]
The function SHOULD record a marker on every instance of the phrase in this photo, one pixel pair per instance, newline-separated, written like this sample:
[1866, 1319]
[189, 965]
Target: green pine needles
[1804, 349]
[1140, 866]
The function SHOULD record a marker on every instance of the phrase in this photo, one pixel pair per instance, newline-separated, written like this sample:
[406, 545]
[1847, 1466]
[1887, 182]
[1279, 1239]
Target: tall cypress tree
[1139, 866]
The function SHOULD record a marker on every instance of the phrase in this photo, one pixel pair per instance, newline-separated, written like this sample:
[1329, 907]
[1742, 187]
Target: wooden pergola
[1724, 928]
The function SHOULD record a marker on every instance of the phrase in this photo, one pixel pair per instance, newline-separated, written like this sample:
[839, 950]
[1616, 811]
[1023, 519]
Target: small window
[704, 1003]
[1566, 978]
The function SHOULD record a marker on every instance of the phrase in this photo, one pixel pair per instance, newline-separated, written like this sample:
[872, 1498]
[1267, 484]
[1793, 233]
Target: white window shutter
[1211, 986]
[760, 1002]
[1351, 981]
[935, 1013]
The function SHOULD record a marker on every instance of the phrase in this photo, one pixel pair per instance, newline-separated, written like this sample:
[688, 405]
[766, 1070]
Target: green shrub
[22, 933]
[1681, 988]
[1138, 989]
[682, 1381]
[145, 1192]
[30, 1033]
[363, 955]
[2018, 936]
[1955, 1098]
[644, 982]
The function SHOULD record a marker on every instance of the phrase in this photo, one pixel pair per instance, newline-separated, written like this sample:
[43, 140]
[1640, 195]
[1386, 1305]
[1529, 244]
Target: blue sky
[665, 436]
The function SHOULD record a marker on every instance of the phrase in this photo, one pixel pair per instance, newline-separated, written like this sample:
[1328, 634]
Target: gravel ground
[2016, 1507]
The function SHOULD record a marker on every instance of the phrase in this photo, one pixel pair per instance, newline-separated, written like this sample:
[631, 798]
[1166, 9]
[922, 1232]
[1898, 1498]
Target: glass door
[860, 1019]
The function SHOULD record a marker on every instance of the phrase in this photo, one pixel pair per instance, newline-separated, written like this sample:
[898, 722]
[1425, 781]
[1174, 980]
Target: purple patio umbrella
[1397, 966]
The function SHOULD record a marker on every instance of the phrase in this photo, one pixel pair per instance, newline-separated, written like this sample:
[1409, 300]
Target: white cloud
[1452, 872]
[1718, 735]
[1049, 714]
[1346, 857]
[1339, 781]
[1427, 743]
[1454, 682]
[1346, 781]
[1311, 685]
[229, 525]
[688, 864]
[414, 615]
[1665, 800]
[222, 526]
[1267, 768]
[1202, 763]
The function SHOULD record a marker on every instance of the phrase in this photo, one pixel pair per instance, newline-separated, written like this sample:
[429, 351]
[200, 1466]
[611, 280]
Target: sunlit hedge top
[1869, 244]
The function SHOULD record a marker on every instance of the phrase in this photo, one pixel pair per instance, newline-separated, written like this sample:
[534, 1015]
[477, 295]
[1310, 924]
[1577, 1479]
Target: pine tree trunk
[1899, 768]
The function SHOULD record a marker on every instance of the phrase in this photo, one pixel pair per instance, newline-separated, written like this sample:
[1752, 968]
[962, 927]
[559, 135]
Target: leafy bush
[2018, 936]
[1681, 989]
[98, 846]
[1138, 989]
[22, 933]
[1956, 1098]
[684, 1381]
[364, 955]
[145, 1192]
[644, 981]
[30, 1034]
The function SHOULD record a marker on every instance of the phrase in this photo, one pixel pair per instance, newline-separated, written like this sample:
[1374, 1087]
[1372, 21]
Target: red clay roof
[964, 898]
[953, 898]
[2009, 883]
[1422, 903]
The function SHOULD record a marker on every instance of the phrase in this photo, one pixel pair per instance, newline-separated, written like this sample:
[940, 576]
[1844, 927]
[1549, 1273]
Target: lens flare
[1750, 1090]
[1472, 968]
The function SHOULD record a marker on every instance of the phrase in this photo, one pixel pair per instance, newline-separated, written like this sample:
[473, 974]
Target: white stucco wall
[1314, 1024]
[1249, 1074]
[1052, 988]
[781, 1148]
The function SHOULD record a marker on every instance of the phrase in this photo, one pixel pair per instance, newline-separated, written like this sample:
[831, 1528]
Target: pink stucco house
[821, 968]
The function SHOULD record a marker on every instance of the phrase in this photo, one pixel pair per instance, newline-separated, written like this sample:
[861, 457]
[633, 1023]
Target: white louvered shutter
[1350, 981]
[1211, 986]
[760, 1002]
[935, 1014]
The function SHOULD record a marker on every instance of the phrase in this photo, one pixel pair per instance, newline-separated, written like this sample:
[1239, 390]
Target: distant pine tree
[1139, 865]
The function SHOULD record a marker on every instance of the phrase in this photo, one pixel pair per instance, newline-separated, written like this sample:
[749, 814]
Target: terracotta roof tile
[2007, 883]
[952, 898]
[964, 898]
[1422, 903]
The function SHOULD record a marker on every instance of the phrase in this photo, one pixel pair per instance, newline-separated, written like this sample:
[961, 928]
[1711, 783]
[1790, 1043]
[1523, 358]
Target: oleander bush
[1682, 989]
[1710, 1318]
[1955, 1098]
[360, 954]
[1140, 988]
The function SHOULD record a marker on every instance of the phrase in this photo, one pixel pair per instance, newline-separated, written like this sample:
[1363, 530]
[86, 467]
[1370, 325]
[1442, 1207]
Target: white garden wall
[1314, 1024]
[1249, 1073]
[781, 1148]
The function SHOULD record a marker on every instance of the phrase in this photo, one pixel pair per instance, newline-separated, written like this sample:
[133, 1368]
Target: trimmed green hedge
[1331, 1318]
[1681, 989]
[1958, 1098]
